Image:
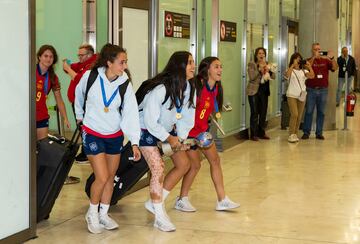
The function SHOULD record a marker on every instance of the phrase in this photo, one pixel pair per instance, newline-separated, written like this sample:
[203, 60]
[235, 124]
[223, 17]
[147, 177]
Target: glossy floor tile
[308, 192]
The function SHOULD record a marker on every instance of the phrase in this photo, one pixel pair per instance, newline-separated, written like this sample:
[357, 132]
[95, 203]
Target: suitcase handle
[75, 137]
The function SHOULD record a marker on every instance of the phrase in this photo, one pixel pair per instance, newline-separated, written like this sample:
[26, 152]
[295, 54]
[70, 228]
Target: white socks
[104, 208]
[165, 194]
[94, 208]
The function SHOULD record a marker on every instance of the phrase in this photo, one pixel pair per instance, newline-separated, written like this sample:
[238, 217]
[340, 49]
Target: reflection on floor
[307, 192]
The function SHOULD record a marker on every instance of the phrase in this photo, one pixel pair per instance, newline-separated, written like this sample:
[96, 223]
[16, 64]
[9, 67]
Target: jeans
[258, 109]
[315, 98]
[341, 82]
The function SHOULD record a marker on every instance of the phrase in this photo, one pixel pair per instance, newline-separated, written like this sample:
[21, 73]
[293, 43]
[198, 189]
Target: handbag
[302, 96]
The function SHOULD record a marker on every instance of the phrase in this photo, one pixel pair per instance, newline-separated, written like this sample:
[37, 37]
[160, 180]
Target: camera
[323, 53]
[302, 62]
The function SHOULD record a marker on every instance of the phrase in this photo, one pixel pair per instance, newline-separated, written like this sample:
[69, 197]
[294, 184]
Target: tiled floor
[307, 192]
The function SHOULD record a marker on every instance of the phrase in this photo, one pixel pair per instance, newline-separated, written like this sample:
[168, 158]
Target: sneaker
[226, 204]
[108, 222]
[81, 158]
[93, 224]
[305, 137]
[163, 223]
[293, 138]
[149, 206]
[320, 137]
[183, 204]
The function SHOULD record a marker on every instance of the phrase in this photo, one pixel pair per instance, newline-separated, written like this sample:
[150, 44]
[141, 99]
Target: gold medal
[178, 116]
[106, 109]
[218, 115]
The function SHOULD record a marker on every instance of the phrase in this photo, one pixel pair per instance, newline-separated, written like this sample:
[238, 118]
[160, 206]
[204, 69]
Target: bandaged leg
[156, 165]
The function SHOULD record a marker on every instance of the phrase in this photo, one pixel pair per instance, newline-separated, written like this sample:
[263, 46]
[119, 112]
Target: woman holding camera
[299, 70]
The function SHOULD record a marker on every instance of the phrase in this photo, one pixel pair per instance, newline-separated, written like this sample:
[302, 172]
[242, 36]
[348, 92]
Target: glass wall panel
[60, 26]
[102, 28]
[230, 56]
[290, 8]
[273, 54]
[168, 45]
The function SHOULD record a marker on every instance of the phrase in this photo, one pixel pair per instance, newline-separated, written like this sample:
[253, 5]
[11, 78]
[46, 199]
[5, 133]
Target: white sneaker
[293, 138]
[296, 137]
[226, 204]
[149, 206]
[108, 222]
[93, 224]
[163, 223]
[183, 204]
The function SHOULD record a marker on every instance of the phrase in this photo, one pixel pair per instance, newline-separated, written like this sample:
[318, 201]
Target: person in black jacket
[346, 63]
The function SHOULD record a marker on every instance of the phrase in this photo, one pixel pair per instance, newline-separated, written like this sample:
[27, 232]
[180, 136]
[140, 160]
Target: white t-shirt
[294, 86]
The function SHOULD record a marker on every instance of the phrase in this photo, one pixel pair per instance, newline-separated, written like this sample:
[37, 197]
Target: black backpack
[92, 77]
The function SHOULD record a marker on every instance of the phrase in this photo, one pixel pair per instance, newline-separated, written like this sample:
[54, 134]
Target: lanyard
[178, 109]
[46, 83]
[107, 103]
[216, 105]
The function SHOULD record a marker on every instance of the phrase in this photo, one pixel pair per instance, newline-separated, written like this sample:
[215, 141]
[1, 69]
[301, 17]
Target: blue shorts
[94, 145]
[42, 123]
[148, 140]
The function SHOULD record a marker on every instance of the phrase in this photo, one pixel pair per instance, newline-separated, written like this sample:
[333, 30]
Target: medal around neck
[178, 116]
[218, 115]
[106, 109]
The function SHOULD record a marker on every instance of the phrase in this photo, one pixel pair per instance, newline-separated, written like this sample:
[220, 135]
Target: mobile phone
[302, 62]
[323, 53]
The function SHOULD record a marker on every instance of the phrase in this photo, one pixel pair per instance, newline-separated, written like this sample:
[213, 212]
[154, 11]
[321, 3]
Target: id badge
[319, 76]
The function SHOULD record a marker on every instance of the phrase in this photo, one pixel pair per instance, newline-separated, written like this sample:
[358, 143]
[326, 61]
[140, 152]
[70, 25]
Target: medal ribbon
[178, 107]
[216, 105]
[107, 103]
[46, 83]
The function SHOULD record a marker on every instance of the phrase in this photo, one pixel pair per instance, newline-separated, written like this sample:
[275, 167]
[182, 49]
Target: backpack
[141, 93]
[92, 77]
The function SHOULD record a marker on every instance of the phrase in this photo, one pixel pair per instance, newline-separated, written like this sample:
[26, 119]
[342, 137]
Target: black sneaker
[305, 137]
[81, 157]
[320, 137]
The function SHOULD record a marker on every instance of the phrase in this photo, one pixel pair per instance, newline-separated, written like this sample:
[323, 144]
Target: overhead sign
[176, 25]
[227, 31]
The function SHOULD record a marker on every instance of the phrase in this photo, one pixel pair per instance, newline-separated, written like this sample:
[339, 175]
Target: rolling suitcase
[55, 157]
[285, 113]
[128, 173]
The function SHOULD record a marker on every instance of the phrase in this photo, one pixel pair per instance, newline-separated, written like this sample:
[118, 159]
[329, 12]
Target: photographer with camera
[298, 72]
[317, 90]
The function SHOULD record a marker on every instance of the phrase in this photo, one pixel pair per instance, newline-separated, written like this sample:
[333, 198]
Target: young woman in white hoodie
[105, 120]
[167, 113]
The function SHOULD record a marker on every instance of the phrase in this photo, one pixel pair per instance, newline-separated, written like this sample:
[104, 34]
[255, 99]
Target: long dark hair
[51, 71]
[108, 53]
[256, 53]
[173, 77]
[203, 76]
[293, 57]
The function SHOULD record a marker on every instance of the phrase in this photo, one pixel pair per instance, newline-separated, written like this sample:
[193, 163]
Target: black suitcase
[128, 173]
[285, 113]
[54, 160]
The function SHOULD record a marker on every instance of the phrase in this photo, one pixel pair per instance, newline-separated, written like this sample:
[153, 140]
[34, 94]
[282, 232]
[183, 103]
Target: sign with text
[227, 31]
[176, 25]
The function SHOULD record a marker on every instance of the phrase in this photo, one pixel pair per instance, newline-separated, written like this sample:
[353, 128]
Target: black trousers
[258, 109]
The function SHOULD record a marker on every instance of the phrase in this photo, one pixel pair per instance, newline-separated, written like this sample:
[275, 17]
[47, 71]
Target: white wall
[14, 122]
[135, 40]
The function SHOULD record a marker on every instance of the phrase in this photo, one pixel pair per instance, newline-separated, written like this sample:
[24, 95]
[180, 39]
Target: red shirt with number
[205, 105]
[41, 94]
